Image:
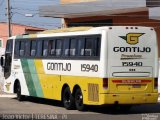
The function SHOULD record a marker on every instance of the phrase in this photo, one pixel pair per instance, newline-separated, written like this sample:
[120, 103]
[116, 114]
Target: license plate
[136, 86]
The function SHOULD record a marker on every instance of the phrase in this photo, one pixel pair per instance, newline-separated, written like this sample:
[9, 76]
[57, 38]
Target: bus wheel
[79, 100]
[18, 91]
[68, 99]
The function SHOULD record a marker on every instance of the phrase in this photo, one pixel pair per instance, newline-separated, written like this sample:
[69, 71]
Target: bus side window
[51, 45]
[73, 47]
[9, 46]
[39, 48]
[45, 48]
[22, 48]
[16, 51]
[27, 48]
[66, 47]
[89, 47]
[98, 46]
[81, 44]
[58, 47]
[33, 48]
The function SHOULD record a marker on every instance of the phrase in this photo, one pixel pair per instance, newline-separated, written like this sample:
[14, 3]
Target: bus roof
[72, 29]
[83, 28]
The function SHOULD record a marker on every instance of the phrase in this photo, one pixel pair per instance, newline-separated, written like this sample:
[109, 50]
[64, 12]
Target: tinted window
[33, 48]
[73, 47]
[39, 48]
[45, 48]
[89, 47]
[17, 45]
[58, 47]
[22, 48]
[98, 46]
[9, 46]
[27, 48]
[81, 45]
[52, 48]
[66, 47]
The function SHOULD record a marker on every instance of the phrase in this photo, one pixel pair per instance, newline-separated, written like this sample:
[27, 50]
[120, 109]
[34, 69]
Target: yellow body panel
[128, 87]
[136, 98]
[93, 91]
[48, 82]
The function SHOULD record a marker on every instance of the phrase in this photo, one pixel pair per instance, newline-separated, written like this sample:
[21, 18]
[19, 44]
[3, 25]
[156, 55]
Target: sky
[21, 7]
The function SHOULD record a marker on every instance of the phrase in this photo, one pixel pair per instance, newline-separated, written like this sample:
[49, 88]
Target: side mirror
[2, 61]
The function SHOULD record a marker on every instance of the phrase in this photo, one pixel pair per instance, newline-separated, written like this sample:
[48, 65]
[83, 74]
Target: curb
[7, 96]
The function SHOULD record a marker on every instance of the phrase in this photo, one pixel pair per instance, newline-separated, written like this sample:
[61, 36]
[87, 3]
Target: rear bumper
[140, 98]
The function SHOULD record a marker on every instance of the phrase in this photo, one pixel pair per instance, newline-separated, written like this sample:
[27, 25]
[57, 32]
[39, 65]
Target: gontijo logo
[132, 38]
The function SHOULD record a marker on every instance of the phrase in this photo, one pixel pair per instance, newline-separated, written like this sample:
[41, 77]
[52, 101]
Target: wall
[16, 30]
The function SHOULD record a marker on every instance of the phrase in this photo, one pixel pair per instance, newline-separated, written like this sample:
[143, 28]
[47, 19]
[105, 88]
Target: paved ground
[40, 108]
[1, 80]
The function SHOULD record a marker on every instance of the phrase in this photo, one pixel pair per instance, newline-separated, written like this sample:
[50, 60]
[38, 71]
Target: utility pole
[9, 18]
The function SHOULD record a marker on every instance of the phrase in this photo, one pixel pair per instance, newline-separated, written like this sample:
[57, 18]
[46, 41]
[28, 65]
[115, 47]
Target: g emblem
[132, 38]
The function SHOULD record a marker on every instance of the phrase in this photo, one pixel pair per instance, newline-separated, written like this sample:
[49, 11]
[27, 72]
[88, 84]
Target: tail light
[156, 83]
[105, 83]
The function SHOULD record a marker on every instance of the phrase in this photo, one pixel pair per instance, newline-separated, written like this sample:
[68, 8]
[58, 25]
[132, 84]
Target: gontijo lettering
[132, 49]
[59, 66]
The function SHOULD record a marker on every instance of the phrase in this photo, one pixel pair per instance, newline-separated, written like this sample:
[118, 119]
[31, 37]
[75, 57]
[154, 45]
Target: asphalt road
[45, 109]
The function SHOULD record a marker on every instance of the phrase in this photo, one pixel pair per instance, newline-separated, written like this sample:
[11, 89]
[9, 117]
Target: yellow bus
[84, 66]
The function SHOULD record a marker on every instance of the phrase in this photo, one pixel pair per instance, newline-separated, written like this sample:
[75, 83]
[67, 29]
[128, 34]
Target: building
[106, 13]
[17, 29]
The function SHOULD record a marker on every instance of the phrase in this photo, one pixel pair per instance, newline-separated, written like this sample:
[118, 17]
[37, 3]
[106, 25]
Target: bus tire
[79, 100]
[68, 99]
[18, 92]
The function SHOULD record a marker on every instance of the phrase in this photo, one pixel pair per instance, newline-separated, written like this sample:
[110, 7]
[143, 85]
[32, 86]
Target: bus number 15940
[89, 68]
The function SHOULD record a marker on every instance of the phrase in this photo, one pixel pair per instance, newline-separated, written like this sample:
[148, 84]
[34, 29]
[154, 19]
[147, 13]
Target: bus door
[8, 58]
[133, 60]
